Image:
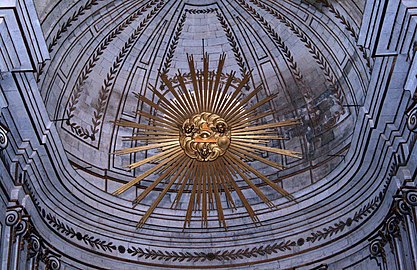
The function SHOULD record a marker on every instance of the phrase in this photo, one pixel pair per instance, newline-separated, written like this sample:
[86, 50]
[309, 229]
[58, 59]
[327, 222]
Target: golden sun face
[205, 136]
[205, 133]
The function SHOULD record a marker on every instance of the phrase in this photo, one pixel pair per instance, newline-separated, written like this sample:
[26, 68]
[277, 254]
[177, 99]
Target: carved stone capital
[410, 197]
[412, 120]
[21, 226]
[13, 216]
[392, 228]
[3, 137]
[376, 248]
[38, 250]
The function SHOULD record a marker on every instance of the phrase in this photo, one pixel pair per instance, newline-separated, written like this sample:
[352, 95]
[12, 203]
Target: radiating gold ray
[127, 123]
[241, 114]
[239, 193]
[243, 102]
[210, 90]
[219, 206]
[247, 140]
[246, 113]
[157, 201]
[250, 121]
[254, 132]
[210, 190]
[139, 178]
[191, 200]
[177, 110]
[190, 99]
[200, 90]
[199, 185]
[249, 149]
[284, 152]
[204, 216]
[196, 97]
[148, 139]
[206, 80]
[217, 81]
[183, 183]
[257, 190]
[269, 126]
[154, 158]
[156, 182]
[225, 185]
[157, 119]
[179, 98]
[233, 101]
[174, 118]
[260, 175]
[157, 133]
[143, 148]
[221, 96]
[242, 153]
[249, 136]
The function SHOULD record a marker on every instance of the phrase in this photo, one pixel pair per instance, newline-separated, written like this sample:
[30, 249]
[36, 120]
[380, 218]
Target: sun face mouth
[205, 136]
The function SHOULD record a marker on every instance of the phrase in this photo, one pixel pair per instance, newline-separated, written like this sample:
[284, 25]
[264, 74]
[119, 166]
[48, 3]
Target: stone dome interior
[297, 51]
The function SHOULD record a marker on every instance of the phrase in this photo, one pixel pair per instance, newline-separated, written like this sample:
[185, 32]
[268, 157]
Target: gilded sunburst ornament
[205, 132]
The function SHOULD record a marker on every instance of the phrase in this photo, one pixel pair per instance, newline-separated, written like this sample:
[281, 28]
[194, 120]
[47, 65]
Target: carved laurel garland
[108, 83]
[229, 35]
[341, 225]
[225, 255]
[65, 229]
[64, 28]
[88, 67]
[220, 255]
[87, 239]
[350, 29]
[173, 45]
[316, 53]
[288, 56]
[232, 42]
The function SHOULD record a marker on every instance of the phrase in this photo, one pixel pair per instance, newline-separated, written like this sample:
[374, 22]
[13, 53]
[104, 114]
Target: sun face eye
[188, 128]
[221, 128]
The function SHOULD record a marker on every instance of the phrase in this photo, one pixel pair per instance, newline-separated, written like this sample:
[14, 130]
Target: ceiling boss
[205, 133]
[205, 136]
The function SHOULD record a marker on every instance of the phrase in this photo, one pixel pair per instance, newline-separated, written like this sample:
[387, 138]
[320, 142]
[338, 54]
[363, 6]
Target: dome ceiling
[99, 61]
[105, 52]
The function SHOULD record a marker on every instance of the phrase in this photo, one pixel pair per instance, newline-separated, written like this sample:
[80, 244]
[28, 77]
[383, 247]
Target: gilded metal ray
[200, 135]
